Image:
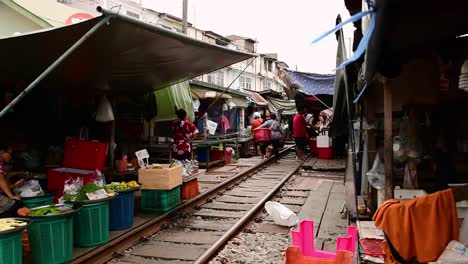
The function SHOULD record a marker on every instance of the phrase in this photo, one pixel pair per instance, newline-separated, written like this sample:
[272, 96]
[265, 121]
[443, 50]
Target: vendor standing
[9, 202]
[184, 132]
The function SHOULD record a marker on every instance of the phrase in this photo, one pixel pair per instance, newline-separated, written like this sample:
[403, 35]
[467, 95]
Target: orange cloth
[256, 123]
[419, 228]
[294, 256]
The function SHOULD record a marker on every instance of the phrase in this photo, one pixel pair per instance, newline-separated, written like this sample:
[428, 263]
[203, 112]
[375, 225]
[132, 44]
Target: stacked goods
[160, 186]
[122, 207]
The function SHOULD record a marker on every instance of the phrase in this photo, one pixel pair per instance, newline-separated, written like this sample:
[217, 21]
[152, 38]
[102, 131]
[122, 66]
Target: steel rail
[106, 252]
[237, 227]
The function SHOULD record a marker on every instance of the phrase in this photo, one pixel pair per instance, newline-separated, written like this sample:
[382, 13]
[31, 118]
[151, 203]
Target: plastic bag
[31, 188]
[104, 112]
[410, 180]
[281, 215]
[100, 179]
[71, 187]
[376, 176]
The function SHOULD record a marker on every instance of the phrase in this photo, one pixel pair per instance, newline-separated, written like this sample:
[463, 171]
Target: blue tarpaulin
[312, 83]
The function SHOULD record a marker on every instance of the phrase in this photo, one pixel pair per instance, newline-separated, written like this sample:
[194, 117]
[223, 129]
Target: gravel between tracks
[261, 248]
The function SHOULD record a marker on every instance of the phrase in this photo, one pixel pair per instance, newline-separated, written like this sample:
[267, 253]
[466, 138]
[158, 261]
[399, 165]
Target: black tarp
[404, 29]
[123, 56]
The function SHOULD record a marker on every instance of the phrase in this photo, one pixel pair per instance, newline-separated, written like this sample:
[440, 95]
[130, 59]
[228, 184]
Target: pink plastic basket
[262, 134]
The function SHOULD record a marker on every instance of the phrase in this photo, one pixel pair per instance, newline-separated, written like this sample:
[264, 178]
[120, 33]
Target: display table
[205, 145]
[159, 153]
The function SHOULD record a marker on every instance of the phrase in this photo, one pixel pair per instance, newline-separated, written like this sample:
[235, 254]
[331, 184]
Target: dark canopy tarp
[124, 55]
[405, 28]
[289, 106]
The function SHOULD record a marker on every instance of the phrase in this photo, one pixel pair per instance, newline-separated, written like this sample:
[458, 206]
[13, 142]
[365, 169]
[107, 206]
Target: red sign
[78, 17]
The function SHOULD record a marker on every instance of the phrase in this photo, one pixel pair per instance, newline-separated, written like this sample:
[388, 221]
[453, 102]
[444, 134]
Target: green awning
[167, 99]
[289, 106]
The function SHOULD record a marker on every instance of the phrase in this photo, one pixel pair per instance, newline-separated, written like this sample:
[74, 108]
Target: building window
[133, 14]
[268, 85]
[220, 78]
[245, 82]
[216, 78]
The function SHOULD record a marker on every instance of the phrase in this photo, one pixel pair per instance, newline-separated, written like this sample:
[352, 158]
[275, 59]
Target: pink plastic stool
[304, 239]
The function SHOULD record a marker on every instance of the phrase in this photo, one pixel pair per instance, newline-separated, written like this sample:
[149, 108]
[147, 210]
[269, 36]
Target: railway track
[198, 229]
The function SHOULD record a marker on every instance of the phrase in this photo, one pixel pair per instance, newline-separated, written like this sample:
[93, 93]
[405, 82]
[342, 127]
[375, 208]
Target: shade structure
[258, 99]
[124, 55]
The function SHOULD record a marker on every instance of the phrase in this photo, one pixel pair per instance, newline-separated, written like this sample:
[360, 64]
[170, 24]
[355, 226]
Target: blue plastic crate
[121, 211]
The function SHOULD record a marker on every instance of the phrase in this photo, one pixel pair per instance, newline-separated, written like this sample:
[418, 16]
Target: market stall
[412, 103]
[89, 61]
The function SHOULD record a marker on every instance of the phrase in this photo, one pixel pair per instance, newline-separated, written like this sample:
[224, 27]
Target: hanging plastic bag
[104, 112]
[410, 180]
[281, 215]
[376, 176]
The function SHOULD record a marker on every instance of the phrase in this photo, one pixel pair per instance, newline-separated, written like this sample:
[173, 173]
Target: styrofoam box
[323, 142]
[407, 194]
[462, 206]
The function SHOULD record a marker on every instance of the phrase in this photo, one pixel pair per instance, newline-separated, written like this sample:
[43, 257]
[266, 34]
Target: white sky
[283, 27]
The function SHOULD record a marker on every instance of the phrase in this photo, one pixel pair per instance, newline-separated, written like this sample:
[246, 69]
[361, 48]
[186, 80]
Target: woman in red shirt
[184, 132]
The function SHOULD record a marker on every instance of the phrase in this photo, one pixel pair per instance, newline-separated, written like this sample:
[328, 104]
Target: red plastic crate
[262, 134]
[216, 155]
[313, 146]
[325, 153]
[189, 189]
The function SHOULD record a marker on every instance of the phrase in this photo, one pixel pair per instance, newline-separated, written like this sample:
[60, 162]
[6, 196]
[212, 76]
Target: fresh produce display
[116, 186]
[7, 224]
[155, 166]
[51, 210]
[88, 188]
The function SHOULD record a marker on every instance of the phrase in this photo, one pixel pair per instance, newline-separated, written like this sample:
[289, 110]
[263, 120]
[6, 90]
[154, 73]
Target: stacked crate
[160, 188]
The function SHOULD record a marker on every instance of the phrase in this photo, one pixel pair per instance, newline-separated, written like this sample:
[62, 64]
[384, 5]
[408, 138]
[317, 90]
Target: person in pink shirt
[301, 137]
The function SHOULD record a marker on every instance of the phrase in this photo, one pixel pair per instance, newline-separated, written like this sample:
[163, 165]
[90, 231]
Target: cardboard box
[160, 179]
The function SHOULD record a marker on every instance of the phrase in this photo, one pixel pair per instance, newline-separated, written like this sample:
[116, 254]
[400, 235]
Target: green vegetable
[45, 211]
[88, 188]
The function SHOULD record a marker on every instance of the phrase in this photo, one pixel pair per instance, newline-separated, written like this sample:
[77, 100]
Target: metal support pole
[388, 141]
[53, 66]
[184, 16]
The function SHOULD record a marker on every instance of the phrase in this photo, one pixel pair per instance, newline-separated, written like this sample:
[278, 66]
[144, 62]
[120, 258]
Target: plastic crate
[38, 201]
[160, 201]
[216, 155]
[313, 146]
[121, 211]
[51, 240]
[11, 248]
[189, 189]
[91, 225]
[325, 153]
[262, 135]
[201, 155]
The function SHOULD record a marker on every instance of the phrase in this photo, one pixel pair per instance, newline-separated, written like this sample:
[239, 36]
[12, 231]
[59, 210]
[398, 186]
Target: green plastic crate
[11, 248]
[160, 201]
[39, 201]
[51, 240]
[91, 225]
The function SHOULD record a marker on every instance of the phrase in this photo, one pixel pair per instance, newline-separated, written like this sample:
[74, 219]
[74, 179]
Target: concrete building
[257, 74]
